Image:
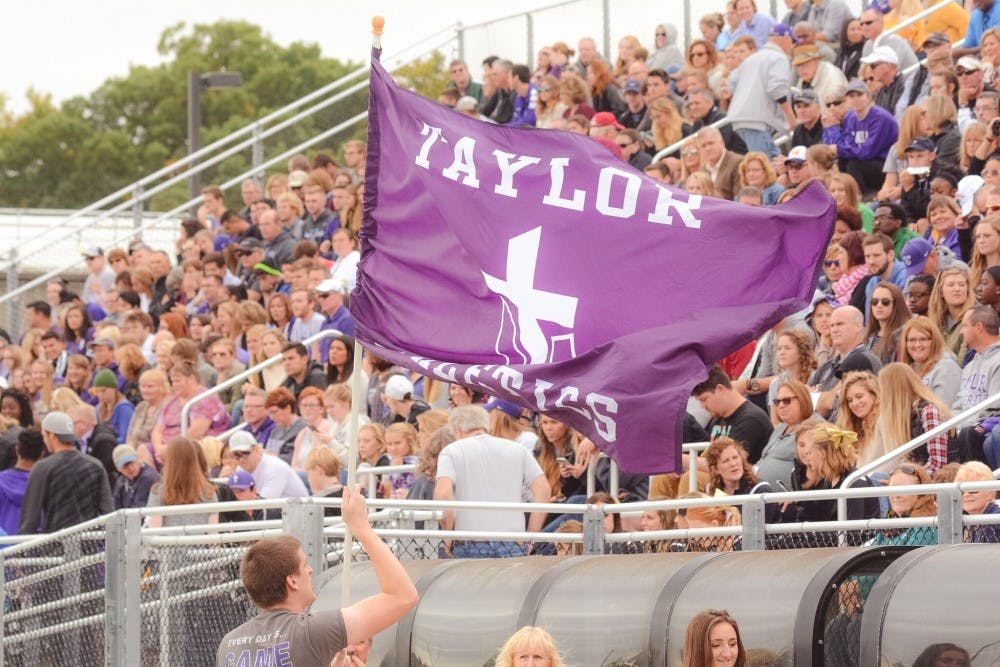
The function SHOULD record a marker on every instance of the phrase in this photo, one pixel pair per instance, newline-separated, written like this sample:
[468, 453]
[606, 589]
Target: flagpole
[378, 22]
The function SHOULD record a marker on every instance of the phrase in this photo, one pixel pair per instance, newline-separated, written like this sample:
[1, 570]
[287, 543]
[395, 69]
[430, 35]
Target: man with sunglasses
[864, 139]
[872, 27]
[809, 130]
[272, 477]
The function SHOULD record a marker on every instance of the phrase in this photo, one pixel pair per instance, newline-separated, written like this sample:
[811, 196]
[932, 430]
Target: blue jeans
[991, 448]
[759, 140]
[490, 549]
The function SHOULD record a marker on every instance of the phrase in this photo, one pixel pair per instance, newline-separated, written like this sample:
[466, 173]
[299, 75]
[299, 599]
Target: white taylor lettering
[507, 170]
[434, 134]
[629, 202]
[613, 183]
[557, 166]
[463, 164]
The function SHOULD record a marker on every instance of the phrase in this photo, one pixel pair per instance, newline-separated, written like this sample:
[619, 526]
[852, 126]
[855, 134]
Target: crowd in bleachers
[903, 332]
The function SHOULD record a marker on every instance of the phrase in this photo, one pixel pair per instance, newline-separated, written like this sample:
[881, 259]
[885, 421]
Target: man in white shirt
[272, 477]
[480, 467]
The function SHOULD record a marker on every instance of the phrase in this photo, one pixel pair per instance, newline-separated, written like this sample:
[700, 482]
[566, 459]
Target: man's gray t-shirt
[489, 469]
[283, 638]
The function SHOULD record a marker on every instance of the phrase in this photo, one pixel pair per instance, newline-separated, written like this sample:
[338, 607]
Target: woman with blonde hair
[290, 210]
[627, 46]
[667, 124]
[895, 160]
[184, 483]
[974, 133]
[794, 357]
[756, 171]
[908, 409]
[829, 456]
[549, 109]
[989, 53]
[38, 385]
[986, 247]
[940, 123]
[155, 389]
[713, 516]
[951, 297]
[64, 398]
[350, 216]
[944, 214]
[426, 476]
[823, 160]
[529, 646]
[845, 191]
[573, 93]
[271, 342]
[277, 184]
[700, 183]
[922, 347]
[225, 320]
[689, 163]
[505, 422]
[860, 401]
[713, 639]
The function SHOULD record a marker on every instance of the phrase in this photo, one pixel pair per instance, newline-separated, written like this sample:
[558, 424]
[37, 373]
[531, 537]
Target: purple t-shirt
[13, 482]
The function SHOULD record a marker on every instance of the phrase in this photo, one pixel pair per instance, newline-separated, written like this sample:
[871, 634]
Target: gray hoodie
[945, 378]
[980, 380]
[670, 54]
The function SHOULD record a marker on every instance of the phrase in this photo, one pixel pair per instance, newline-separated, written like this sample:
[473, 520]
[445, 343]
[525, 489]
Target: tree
[131, 126]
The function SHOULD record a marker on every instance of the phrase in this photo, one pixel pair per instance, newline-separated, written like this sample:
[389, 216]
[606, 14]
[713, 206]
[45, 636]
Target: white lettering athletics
[632, 183]
[557, 166]
[533, 305]
[665, 201]
[435, 134]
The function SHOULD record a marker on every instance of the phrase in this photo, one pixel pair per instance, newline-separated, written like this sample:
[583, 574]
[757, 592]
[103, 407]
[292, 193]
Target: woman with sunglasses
[909, 506]
[909, 409]
[886, 316]
[549, 109]
[792, 406]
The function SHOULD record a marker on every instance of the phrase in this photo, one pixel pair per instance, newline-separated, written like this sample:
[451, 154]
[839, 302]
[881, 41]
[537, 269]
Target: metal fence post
[137, 206]
[687, 22]
[530, 34]
[593, 530]
[3, 603]
[123, 549]
[258, 154]
[606, 11]
[304, 519]
[13, 306]
[753, 524]
[460, 38]
[950, 516]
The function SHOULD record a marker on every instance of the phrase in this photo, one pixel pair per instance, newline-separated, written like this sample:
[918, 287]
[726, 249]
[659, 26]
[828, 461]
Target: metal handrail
[910, 446]
[910, 21]
[249, 129]
[239, 377]
[350, 122]
[674, 147]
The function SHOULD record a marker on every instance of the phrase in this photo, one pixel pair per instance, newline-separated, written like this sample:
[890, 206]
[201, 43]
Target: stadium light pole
[197, 82]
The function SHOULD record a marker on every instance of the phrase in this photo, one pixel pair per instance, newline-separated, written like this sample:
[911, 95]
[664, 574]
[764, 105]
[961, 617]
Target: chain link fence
[53, 600]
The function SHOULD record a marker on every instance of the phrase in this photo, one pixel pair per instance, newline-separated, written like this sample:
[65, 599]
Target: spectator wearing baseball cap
[243, 488]
[635, 105]
[864, 138]
[604, 124]
[915, 181]
[272, 477]
[511, 421]
[398, 397]
[66, 487]
[885, 69]
[134, 481]
[808, 111]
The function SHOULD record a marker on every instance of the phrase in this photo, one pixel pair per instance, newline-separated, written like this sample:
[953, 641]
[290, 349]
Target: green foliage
[130, 126]
[427, 77]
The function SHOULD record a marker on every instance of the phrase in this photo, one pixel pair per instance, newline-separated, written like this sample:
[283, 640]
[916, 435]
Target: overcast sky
[69, 48]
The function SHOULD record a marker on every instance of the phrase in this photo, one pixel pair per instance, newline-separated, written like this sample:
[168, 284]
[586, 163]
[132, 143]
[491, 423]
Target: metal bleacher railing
[71, 597]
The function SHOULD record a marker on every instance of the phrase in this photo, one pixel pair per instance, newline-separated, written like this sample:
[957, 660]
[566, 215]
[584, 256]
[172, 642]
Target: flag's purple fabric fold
[535, 266]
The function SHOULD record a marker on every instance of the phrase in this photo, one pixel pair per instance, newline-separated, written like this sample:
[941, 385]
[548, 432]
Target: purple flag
[535, 266]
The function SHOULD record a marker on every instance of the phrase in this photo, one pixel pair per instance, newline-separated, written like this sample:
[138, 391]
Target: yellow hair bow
[841, 439]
